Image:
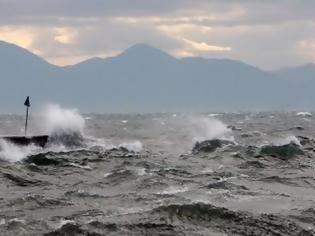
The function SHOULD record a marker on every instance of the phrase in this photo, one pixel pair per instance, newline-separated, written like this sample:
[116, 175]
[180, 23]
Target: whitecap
[141, 171]
[80, 166]
[207, 171]
[174, 190]
[213, 114]
[135, 146]
[108, 174]
[2, 222]
[303, 113]
[17, 220]
[64, 222]
[13, 153]
[285, 140]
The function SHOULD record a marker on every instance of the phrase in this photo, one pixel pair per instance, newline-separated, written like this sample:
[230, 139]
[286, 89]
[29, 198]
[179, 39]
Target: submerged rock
[297, 128]
[209, 145]
[217, 185]
[41, 159]
[246, 135]
[283, 151]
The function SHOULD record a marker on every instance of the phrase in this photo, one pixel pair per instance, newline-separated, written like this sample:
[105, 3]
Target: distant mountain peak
[144, 50]
[142, 47]
[144, 78]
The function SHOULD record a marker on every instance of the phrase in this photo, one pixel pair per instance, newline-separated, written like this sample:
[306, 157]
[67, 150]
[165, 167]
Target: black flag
[27, 102]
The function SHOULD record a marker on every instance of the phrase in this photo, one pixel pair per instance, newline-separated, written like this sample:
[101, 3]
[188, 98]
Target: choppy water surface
[139, 175]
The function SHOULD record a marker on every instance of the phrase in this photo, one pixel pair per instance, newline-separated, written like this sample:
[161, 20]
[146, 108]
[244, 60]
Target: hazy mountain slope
[302, 79]
[146, 78]
[305, 72]
[142, 78]
[22, 73]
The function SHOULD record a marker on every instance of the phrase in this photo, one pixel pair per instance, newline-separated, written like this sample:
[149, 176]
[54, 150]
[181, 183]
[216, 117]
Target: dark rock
[209, 145]
[42, 160]
[297, 128]
[246, 135]
[69, 229]
[283, 152]
[255, 164]
[217, 185]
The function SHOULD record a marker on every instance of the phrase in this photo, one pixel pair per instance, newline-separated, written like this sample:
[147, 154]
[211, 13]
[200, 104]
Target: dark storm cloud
[90, 8]
[255, 11]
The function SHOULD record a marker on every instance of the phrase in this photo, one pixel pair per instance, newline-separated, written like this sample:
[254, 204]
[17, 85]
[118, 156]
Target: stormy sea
[159, 174]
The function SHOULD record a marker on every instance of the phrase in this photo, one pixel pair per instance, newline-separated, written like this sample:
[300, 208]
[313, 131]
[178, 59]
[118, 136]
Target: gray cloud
[255, 11]
[267, 33]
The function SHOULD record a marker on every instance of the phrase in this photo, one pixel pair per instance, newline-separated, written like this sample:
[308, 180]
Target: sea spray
[205, 128]
[135, 146]
[180, 133]
[57, 119]
[64, 126]
[280, 141]
[66, 130]
[13, 153]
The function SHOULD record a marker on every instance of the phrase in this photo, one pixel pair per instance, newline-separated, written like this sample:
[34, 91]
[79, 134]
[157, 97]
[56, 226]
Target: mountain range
[146, 79]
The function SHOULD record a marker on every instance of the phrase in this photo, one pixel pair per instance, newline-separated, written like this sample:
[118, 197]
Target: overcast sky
[267, 33]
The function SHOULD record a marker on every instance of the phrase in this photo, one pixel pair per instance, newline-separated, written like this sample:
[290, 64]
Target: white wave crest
[203, 128]
[303, 113]
[56, 119]
[135, 146]
[280, 141]
[13, 153]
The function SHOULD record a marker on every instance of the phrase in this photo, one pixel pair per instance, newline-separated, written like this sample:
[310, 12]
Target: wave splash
[205, 128]
[65, 128]
[13, 153]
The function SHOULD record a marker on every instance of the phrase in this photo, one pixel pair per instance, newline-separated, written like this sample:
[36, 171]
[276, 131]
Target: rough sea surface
[142, 174]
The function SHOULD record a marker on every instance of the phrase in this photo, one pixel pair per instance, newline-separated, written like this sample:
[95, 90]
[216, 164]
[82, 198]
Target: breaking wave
[60, 120]
[65, 128]
[285, 140]
[12, 153]
[205, 128]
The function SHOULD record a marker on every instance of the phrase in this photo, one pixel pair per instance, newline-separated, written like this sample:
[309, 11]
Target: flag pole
[27, 104]
[26, 119]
